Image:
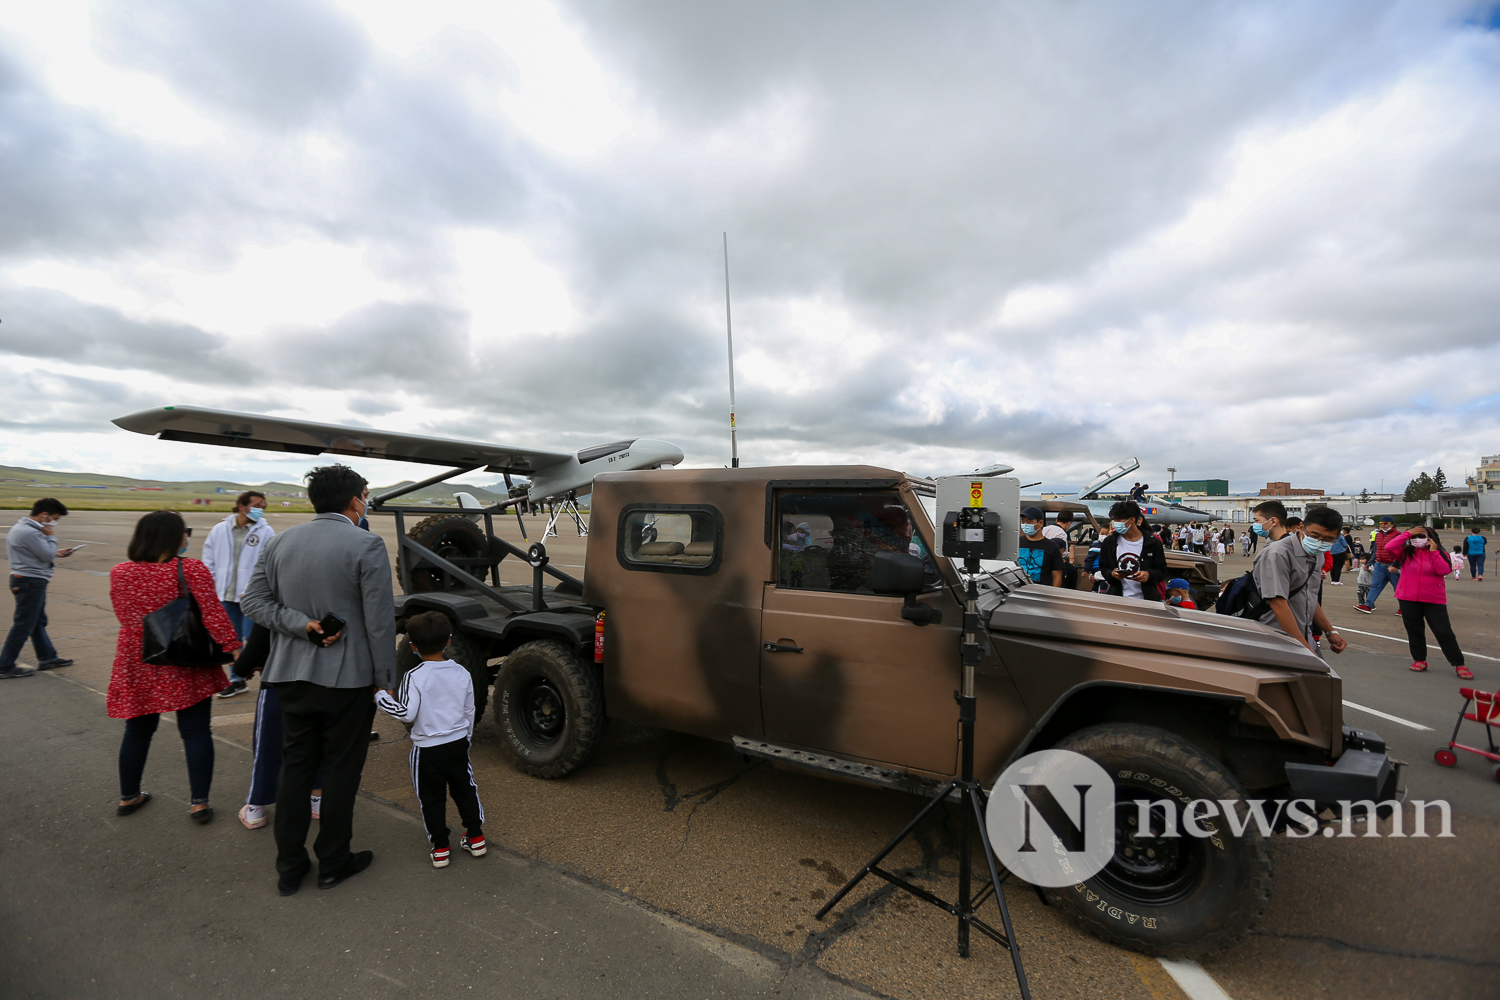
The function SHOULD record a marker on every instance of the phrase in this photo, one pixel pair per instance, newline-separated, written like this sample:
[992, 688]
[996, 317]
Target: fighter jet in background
[1156, 511]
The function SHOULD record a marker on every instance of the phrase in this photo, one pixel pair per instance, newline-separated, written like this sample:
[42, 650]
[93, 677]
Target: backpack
[1241, 598]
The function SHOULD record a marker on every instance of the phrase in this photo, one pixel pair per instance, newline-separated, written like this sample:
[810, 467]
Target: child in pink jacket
[1422, 592]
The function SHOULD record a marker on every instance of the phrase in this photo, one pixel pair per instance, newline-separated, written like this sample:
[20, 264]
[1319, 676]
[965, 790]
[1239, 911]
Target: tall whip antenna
[734, 441]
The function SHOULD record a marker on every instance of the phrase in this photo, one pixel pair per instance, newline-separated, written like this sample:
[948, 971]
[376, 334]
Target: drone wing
[304, 437]
[1109, 475]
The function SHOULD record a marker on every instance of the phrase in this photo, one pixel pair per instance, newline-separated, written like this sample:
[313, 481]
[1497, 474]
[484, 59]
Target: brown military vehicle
[737, 605]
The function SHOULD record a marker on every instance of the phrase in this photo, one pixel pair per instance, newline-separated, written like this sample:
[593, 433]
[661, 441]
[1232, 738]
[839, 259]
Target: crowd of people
[312, 610]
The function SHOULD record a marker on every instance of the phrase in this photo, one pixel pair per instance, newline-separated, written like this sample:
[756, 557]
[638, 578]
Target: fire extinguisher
[599, 638]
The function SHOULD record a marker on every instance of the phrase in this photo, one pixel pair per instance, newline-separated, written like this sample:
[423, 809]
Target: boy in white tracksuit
[230, 552]
[437, 698]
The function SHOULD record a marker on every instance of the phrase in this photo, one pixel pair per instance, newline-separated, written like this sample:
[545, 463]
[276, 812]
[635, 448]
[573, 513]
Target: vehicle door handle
[776, 647]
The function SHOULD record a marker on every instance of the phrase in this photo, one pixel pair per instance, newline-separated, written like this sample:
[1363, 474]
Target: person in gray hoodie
[31, 549]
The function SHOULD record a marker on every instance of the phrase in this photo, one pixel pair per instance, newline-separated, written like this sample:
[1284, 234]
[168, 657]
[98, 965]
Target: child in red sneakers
[437, 698]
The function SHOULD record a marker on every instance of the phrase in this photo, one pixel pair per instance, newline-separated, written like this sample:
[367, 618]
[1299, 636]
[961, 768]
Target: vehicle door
[841, 671]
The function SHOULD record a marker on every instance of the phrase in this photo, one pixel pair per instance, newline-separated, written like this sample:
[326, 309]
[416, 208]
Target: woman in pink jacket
[1422, 592]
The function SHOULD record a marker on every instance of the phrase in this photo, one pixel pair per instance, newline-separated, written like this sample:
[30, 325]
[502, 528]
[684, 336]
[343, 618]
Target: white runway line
[1196, 983]
[1477, 656]
[1383, 715]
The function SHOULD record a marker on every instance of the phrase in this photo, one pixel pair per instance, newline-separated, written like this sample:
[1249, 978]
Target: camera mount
[975, 536]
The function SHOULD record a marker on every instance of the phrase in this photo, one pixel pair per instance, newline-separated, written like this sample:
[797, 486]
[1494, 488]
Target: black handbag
[174, 635]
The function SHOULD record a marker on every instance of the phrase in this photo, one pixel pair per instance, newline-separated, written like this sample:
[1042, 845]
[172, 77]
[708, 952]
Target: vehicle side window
[670, 538]
[826, 541]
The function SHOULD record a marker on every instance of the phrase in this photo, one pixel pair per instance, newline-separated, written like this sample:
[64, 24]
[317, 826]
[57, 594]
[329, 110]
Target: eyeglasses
[188, 532]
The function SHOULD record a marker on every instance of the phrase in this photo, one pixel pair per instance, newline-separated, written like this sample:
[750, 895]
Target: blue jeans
[1476, 566]
[193, 725]
[30, 622]
[242, 627]
[1382, 574]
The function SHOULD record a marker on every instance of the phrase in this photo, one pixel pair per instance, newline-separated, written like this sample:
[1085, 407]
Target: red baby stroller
[1486, 713]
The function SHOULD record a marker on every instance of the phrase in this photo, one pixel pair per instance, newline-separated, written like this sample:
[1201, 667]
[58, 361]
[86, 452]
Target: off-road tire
[1222, 889]
[461, 649]
[538, 680]
[448, 535]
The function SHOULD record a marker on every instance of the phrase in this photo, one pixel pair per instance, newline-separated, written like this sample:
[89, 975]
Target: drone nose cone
[652, 452]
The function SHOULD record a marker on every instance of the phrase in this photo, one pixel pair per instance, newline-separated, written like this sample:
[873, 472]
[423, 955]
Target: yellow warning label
[976, 493]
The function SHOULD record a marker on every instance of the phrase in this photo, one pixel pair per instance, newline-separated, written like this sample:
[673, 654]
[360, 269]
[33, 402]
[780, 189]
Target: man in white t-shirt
[1132, 562]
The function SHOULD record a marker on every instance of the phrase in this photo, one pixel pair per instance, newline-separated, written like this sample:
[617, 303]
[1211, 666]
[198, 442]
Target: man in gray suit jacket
[326, 684]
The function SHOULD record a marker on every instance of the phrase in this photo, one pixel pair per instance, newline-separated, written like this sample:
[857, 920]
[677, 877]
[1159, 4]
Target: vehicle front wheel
[550, 708]
[1172, 896]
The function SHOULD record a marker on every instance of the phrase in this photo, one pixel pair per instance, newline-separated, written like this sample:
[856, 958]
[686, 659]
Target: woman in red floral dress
[138, 691]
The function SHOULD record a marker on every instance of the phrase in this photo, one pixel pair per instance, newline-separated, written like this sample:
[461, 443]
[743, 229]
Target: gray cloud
[892, 173]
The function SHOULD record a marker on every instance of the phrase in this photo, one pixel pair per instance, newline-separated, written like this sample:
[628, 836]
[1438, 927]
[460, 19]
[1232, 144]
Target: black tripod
[973, 797]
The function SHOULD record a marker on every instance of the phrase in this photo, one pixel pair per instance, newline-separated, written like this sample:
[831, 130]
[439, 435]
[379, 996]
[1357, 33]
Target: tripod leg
[989, 857]
[965, 912]
[873, 862]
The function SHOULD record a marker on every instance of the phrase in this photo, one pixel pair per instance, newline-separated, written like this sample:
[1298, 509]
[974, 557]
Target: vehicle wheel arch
[1202, 717]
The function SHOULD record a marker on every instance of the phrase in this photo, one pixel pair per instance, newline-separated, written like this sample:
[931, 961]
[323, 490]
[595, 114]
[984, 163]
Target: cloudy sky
[1251, 241]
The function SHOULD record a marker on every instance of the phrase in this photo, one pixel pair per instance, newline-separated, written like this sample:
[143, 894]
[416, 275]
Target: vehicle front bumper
[1364, 772]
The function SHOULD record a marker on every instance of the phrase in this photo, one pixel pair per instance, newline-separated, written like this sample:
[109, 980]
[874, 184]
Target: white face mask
[1419, 543]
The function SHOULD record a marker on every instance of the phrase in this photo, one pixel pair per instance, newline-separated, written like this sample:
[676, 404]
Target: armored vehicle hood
[1097, 619]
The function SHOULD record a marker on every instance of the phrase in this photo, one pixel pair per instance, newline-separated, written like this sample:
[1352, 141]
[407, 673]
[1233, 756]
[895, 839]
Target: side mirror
[898, 574]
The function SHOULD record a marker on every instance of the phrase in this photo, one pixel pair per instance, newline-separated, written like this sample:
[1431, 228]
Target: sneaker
[1364, 609]
[474, 845]
[1335, 583]
[54, 663]
[317, 807]
[1398, 611]
[6, 675]
[253, 817]
[439, 857]
[236, 686]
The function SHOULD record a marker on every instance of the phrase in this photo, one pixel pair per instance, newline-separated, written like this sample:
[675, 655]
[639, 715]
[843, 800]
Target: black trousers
[1338, 567]
[437, 772]
[328, 728]
[1413, 615]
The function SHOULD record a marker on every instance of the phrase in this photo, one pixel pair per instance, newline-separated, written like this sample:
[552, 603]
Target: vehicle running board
[867, 774]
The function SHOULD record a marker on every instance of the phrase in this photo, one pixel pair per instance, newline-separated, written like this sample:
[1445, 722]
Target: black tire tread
[430, 527]
[1255, 894]
[587, 708]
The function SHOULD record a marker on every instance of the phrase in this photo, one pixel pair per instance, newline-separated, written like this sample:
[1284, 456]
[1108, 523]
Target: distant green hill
[20, 487]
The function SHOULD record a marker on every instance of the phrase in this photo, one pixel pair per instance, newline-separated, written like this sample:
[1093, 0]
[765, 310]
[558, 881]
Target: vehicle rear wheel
[452, 536]
[549, 707]
[1172, 896]
[462, 650]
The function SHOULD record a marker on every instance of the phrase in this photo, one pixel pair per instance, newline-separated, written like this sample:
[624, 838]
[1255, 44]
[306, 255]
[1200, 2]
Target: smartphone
[331, 624]
[80, 545]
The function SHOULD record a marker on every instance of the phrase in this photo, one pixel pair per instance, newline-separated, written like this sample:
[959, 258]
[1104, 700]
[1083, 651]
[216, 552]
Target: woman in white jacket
[230, 552]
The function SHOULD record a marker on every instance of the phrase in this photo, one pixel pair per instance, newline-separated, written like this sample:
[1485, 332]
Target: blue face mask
[1029, 529]
[1313, 547]
[1261, 530]
[182, 551]
[254, 513]
[1121, 527]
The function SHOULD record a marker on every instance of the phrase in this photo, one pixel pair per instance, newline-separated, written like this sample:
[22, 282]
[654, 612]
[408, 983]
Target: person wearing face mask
[1287, 574]
[1132, 562]
[1422, 593]
[325, 682]
[1384, 568]
[139, 691]
[31, 549]
[230, 552]
[1039, 556]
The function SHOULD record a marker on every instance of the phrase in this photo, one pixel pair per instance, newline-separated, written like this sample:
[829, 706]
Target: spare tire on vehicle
[462, 650]
[1170, 896]
[452, 536]
[549, 706]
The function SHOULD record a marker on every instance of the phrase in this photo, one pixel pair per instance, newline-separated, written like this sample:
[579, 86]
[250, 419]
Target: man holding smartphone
[30, 547]
[324, 590]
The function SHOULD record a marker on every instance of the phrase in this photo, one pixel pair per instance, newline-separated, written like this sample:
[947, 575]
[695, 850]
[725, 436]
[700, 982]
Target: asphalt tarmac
[723, 861]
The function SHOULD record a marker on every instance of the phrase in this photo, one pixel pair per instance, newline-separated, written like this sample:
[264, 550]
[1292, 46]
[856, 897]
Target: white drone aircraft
[1156, 512]
[554, 477]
